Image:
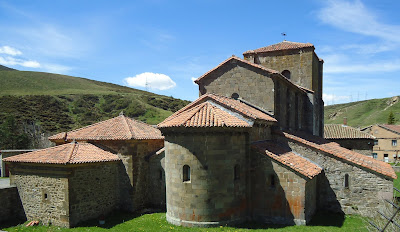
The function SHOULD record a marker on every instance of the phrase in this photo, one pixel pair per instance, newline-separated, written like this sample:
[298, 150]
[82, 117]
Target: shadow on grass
[320, 219]
[327, 219]
[116, 218]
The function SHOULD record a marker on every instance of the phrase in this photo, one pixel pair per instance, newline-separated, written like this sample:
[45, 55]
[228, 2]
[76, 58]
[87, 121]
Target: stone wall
[93, 191]
[157, 191]
[365, 190]
[11, 206]
[213, 195]
[134, 183]
[252, 84]
[280, 195]
[43, 193]
[298, 62]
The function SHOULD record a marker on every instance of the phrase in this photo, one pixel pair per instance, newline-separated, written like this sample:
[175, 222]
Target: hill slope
[46, 103]
[363, 113]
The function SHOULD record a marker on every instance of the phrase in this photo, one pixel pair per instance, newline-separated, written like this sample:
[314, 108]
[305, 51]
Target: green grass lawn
[157, 222]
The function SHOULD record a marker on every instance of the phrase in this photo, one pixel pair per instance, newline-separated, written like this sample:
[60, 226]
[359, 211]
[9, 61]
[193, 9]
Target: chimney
[345, 121]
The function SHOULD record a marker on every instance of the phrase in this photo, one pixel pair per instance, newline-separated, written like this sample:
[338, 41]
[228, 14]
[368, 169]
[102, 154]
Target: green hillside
[13, 82]
[363, 113]
[50, 103]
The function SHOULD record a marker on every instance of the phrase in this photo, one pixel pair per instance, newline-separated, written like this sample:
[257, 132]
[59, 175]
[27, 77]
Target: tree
[391, 119]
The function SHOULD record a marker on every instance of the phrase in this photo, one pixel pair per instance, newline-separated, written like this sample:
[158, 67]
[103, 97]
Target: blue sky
[169, 43]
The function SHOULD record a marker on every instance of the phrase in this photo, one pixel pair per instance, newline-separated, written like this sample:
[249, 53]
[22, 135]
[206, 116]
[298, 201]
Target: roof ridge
[68, 160]
[127, 124]
[88, 126]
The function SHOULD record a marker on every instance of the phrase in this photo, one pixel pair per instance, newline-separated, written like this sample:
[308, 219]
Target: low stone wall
[365, 191]
[10, 205]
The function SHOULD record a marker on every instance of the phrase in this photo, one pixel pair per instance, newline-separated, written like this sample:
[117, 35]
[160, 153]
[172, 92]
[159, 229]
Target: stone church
[249, 148]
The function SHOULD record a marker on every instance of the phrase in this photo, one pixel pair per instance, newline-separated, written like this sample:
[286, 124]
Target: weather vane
[284, 35]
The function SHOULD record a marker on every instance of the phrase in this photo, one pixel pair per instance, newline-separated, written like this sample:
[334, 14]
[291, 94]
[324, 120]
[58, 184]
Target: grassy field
[157, 222]
[362, 113]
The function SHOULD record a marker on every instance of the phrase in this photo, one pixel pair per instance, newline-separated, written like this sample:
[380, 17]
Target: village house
[350, 138]
[249, 148]
[385, 143]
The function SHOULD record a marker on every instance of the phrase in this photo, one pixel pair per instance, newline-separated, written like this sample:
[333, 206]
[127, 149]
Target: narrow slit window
[346, 180]
[236, 172]
[186, 173]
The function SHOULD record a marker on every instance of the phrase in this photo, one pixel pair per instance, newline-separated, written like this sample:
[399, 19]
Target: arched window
[160, 174]
[286, 73]
[186, 173]
[346, 180]
[272, 181]
[236, 172]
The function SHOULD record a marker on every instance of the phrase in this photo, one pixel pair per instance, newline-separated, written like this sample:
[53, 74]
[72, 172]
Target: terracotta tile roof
[118, 128]
[204, 115]
[235, 58]
[286, 157]
[338, 131]
[392, 128]
[336, 150]
[284, 45]
[70, 153]
[190, 114]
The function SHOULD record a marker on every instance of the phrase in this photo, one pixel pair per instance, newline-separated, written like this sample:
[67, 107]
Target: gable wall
[251, 85]
[366, 189]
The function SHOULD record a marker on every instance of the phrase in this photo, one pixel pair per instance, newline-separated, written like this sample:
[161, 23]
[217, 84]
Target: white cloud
[355, 17]
[10, 51]
[156, 81]
[11, 61]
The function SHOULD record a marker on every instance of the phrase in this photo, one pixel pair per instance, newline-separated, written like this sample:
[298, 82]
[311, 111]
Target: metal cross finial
[284, 36]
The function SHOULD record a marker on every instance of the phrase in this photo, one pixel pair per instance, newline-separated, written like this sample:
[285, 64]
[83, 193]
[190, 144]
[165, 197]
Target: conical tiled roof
[284, 45]
[70, 153]
[118, 128]
[205, 115]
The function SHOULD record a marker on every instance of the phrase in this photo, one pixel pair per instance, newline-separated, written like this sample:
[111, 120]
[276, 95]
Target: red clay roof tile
[338, 131]
[70, 153]
[199, 114]
[286, 157]
[284, 45]
[204, 115]
[392, 128]
[336, 150]
[118, 128]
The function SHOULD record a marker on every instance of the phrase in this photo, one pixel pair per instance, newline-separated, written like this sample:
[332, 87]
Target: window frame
[186, 173]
